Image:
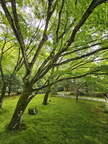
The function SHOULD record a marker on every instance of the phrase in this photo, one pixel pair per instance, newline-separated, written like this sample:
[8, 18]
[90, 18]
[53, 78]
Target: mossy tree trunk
[16, 121]
[76, 97]
[45, 100]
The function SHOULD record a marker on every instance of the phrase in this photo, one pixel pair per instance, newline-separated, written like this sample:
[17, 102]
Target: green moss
[61, 122]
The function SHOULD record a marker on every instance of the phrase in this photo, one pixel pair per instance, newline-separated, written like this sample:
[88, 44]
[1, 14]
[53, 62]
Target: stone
[32, 111]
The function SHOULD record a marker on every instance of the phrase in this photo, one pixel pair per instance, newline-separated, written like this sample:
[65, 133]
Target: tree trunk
[9, 90]
[77, 94]
[87, 88]
[2, 94]
[45, 100]
[16, 121]
[76, 98]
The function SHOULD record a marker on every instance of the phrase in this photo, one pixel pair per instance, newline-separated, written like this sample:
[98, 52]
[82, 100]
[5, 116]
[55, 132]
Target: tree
[64, 27]
[9, 62]
[4, 49]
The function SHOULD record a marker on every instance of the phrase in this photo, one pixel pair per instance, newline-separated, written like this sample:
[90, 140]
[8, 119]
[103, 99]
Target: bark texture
[16, 121]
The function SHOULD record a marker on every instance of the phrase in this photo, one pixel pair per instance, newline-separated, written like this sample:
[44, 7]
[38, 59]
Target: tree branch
[59, 21]
[44, 37]
[92, 6]
[83, 48]
[82, 56]
[20, 37]
[15, 27]
[74, 77]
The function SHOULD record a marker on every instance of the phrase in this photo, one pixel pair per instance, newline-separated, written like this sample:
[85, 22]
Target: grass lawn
[61, 122]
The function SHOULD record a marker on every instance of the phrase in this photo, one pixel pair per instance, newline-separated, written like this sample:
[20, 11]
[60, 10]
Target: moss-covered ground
[62, 121]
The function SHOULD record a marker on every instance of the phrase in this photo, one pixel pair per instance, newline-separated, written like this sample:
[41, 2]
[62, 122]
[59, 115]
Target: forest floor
[62, 121]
